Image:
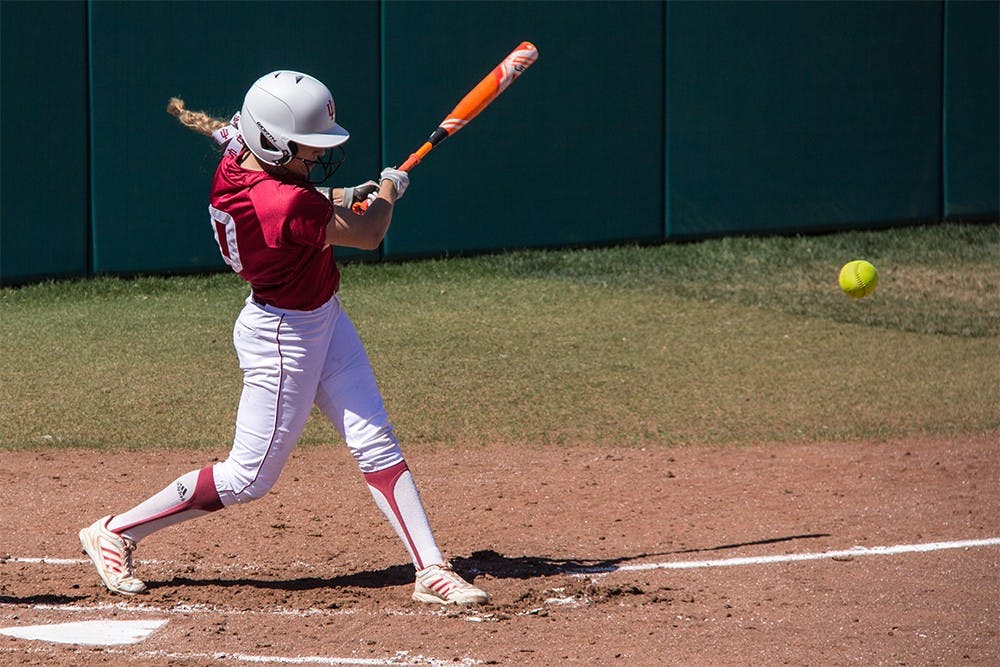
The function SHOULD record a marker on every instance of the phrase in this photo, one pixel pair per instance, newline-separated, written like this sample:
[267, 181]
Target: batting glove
[400, 180]
[359, 193]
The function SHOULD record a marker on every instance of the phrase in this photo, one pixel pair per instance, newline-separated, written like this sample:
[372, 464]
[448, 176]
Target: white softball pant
[292, 360]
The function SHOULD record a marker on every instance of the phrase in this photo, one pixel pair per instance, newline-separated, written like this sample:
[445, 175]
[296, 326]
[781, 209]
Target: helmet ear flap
[286, 153]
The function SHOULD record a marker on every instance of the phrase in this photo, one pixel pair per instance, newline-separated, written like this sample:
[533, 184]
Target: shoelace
[127, 565]
[453, 577]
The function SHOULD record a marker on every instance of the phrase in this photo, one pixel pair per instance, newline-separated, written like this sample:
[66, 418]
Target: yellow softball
[858, 278]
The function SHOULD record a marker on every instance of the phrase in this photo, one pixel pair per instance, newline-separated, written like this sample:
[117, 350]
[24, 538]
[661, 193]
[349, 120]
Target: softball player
[296, 345]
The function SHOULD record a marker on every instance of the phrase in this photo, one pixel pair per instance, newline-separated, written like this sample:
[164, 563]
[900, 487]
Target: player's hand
[359, 193]
[360, 207]
[400, 180]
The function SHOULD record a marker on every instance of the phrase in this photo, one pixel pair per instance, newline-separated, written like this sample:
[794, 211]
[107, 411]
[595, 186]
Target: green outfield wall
[971, 140]
[787, 116]
[570, 154]
[44, 145]
[641, 121]
[150, 176]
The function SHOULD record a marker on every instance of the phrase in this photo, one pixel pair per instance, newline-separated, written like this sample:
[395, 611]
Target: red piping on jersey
[205, 498]
[384, 481]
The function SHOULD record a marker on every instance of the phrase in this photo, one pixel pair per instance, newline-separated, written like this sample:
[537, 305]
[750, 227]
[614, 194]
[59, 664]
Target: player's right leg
[110, 541]
[112, 556]
[349, 396]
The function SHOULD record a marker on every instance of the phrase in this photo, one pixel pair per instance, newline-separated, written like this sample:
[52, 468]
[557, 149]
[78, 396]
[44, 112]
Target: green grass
[726, 341]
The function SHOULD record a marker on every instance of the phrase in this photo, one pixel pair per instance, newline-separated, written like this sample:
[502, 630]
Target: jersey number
[225, 235]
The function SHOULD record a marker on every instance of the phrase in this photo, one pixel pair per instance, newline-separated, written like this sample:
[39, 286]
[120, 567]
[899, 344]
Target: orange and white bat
[475, 101]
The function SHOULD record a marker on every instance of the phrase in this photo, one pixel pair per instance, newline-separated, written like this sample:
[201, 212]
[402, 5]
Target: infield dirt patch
[314, 570]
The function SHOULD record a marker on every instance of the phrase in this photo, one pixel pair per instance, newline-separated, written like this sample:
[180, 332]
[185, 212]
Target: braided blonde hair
[199, 121]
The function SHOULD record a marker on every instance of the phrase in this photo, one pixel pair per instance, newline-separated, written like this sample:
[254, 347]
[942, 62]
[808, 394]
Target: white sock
[396, 495]
[191, 495]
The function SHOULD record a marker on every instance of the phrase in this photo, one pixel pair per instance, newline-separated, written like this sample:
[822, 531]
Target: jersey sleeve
[290, 214]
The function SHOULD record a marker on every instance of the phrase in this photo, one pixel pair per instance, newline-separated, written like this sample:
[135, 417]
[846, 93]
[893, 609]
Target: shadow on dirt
[394, 575]
[526, 567]
[480, 562]
[44, 599]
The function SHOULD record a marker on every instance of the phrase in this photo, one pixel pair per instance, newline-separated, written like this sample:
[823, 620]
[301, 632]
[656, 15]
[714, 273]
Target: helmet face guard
[324, 167]
[285, 108]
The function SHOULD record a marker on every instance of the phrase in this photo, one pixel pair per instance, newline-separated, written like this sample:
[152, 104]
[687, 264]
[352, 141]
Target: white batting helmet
[285, 108]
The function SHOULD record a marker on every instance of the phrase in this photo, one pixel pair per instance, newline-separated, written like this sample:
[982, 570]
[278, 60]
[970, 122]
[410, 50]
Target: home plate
[90, 633]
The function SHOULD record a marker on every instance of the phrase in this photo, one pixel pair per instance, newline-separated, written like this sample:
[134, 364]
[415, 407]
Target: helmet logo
[270, 137]
[330, 109]
[285, 154]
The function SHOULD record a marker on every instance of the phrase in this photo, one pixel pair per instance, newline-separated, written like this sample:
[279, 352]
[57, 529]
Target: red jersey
[272, 232]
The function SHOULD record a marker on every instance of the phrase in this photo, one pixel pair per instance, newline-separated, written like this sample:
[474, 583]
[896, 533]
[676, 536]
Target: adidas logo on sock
[182, 491]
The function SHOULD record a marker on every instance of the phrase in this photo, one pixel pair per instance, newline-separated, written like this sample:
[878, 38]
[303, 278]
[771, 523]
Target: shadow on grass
[486, 562]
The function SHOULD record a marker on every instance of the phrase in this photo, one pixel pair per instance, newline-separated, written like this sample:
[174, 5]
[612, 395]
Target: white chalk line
[44, 560]
[788, 558]
[400, 658]
[403, 658]
[224, 567]
[674, 565]
[189, 609]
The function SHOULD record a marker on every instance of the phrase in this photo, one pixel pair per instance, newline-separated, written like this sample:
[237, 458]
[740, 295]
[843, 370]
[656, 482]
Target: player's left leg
[396, 495]
[349, 397]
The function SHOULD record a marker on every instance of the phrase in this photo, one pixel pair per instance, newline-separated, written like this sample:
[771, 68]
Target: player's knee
[377, 450]
[238, 485]
[255, 490]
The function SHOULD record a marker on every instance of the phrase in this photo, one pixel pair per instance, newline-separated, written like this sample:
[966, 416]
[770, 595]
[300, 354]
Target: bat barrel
[520, 59]
[491, 86]
[478, 99]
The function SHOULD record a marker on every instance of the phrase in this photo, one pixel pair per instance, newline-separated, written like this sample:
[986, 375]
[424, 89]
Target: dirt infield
[559, 537]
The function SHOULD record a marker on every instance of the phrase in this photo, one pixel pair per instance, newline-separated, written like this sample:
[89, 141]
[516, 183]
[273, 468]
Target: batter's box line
[853, 552]
[188, 609]
[401, 658]
[609, 568]
[151, 562]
